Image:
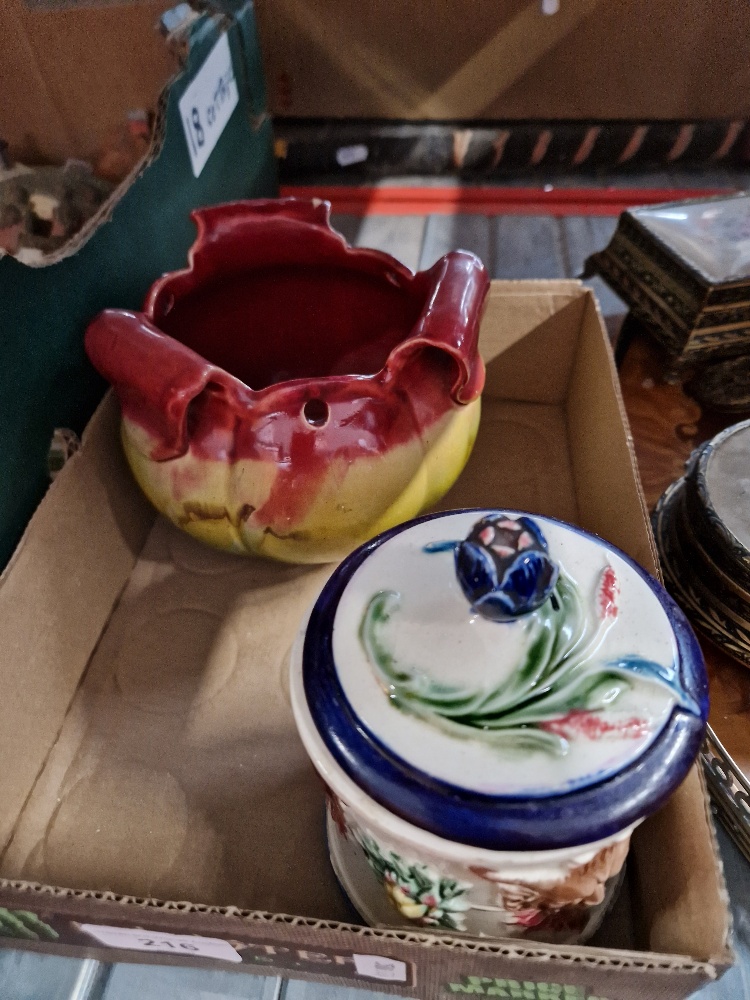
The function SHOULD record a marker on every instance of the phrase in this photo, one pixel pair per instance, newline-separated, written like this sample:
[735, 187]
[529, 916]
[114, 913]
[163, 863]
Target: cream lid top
[556, 696]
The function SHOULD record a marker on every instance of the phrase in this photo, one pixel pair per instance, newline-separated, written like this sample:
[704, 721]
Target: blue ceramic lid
[504, 680]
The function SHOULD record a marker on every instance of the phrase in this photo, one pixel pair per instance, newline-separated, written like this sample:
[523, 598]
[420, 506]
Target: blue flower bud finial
[504, 567]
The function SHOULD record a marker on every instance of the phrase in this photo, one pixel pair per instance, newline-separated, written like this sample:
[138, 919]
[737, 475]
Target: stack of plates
[702, 529]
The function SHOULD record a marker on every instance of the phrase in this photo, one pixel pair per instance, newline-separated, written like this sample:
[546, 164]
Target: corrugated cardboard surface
[470, 59]
[69, 77]
[174, 770]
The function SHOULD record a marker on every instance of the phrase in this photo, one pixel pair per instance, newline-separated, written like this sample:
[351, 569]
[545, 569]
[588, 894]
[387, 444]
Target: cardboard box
[150, 752]
[472, 60]
[61, 65]
[70, 76]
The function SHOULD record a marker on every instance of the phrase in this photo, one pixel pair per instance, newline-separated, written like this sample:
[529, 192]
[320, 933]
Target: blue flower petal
[531, 577]
[534, 530]
[475, 570]
[500, 580]
[497, 606]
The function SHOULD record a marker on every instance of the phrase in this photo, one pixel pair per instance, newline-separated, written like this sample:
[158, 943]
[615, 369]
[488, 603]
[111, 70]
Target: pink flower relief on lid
[608, 593]
[592, 725]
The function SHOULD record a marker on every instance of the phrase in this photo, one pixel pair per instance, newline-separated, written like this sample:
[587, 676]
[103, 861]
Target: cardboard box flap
[554, 317]
[53, 608]
[71, 76]
[434, 965]
[682, 890]
[618, 511]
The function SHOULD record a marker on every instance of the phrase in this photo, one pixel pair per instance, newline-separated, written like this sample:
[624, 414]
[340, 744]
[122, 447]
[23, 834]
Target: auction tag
[347, 155]
[207, 104]
[168, 944]
[380, 968]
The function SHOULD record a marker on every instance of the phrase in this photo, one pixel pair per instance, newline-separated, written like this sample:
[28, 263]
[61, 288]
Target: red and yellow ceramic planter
[289, 395]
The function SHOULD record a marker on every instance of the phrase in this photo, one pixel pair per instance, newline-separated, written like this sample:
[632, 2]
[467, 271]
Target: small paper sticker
[167, 944]
[347, 155]
[389, 969]
[207, 104]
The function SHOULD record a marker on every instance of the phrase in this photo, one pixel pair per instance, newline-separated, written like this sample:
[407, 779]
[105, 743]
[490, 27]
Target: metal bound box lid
[684, 269]
[712, 236]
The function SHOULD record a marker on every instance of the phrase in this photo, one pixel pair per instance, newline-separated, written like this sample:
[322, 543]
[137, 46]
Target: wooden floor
[511, 247]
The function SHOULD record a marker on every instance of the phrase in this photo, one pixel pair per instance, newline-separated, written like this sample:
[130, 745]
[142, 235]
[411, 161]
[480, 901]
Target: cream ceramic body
[558, 895]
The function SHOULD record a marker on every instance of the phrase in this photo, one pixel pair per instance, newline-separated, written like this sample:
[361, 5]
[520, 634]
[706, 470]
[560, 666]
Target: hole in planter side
[316, 412]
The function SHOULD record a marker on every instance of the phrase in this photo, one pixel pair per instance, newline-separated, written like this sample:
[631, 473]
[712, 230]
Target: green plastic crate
[45, 378]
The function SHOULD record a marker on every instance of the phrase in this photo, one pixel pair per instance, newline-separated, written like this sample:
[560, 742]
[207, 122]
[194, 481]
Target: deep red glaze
[275, 310]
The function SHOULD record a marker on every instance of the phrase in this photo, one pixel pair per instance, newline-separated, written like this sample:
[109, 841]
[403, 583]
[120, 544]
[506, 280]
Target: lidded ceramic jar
[494, 701]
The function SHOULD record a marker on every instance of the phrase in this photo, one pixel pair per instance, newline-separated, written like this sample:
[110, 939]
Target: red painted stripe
[585, 149]
[683, 140]
[540, 148]
[491, 200]
[728, 141]
[634, 143]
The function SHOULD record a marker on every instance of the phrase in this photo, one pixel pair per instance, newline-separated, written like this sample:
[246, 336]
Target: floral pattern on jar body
[558, 896]
[492, 725]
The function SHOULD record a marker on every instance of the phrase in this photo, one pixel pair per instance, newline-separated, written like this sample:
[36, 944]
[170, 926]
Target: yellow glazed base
[215, 501]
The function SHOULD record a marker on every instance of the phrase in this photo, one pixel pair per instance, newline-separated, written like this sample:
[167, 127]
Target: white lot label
[168, 944]
[347, 155]
[207, 104]
[380, 968]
